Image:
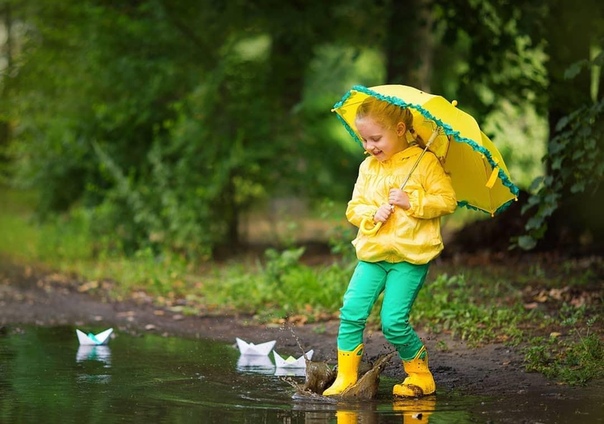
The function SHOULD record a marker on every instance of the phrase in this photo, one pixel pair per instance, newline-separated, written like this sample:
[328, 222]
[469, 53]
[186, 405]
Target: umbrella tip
[454, 103]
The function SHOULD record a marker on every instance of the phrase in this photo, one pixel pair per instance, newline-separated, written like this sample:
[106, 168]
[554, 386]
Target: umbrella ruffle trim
[500, 209]
[446, 127]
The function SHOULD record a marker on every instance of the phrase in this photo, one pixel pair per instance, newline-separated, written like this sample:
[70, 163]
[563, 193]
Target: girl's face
[379, 141]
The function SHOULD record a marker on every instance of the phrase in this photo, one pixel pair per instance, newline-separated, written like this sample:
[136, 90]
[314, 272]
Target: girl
[395, 259]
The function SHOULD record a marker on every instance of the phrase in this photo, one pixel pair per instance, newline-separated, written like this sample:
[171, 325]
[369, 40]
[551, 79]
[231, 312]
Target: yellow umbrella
[478, 174]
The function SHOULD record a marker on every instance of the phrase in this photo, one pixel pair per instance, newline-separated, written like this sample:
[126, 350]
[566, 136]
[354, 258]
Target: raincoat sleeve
[435, 196]
[361, 205]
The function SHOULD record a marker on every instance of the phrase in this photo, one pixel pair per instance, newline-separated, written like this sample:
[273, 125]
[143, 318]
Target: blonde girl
[394, 260]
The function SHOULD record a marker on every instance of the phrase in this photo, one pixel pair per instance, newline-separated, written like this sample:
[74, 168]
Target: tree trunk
[409, 44]
[569, 37]
[8, 49]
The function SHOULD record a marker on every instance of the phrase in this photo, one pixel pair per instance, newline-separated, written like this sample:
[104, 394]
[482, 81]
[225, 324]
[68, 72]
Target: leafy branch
[575, 163]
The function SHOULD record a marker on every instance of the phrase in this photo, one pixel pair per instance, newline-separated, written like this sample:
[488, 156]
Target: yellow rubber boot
[419, 381]
[348, 370]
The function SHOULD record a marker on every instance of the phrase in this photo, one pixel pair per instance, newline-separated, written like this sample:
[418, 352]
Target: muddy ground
[32, 296]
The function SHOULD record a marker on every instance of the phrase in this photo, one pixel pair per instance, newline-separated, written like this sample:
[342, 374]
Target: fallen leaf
[90, 285]
[541, 297]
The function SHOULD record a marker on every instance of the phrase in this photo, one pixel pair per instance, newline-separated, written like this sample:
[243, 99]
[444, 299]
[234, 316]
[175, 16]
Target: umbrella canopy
[478, 173]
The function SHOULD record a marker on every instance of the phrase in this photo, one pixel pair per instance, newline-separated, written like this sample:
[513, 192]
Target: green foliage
[576, 165]
[283, 287]
[523, 144]
[76, 89]
[574, 358]
[487, 54]
[166, 121]
[455, 305]
[194, 189]
[52, 242]
[169, 132]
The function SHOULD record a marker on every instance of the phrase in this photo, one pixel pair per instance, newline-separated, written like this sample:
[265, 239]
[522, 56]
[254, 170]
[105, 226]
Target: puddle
[45, 376]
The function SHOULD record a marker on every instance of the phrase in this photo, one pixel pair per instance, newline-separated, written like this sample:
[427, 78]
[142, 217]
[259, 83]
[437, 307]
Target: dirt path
[45, 299]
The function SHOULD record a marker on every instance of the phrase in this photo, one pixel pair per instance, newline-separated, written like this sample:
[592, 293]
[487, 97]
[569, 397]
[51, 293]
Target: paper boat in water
[262, 349]
[91, 339]
[291, 362]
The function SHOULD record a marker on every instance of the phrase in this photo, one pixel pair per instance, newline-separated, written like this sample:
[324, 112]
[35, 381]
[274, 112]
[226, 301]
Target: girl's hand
[383, 213]
[398, 197]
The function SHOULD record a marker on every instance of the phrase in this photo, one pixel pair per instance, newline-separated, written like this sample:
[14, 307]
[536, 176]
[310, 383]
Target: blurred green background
[194, 127]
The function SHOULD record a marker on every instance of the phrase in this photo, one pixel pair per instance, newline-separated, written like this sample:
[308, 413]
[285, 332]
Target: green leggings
[400, 283]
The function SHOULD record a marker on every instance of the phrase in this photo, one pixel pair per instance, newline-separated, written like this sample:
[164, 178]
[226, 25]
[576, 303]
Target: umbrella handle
[367, 230]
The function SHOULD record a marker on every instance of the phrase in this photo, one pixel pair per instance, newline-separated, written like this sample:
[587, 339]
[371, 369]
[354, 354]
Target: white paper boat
[90, 339]
[291, 362]
[262, 349]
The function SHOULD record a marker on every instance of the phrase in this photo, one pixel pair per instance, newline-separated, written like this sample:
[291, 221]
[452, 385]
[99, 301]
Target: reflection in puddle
[415, 409]
[255, 363]
[94, 353]
[262, 364]
[90, 378]
[90, 357]
[290, 372]
[46, 377]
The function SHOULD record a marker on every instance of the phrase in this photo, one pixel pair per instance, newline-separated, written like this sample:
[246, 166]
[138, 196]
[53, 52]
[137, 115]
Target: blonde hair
[388, 115]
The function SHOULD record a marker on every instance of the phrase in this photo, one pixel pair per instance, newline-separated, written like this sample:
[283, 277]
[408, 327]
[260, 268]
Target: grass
[461, 306]
[552, 314]
[575, 357]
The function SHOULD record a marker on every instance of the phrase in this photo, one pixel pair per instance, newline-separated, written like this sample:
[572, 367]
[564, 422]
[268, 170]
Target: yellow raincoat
[411, 235]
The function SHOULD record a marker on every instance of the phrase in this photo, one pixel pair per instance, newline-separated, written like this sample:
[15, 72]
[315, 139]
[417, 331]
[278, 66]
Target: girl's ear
[401, 129]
